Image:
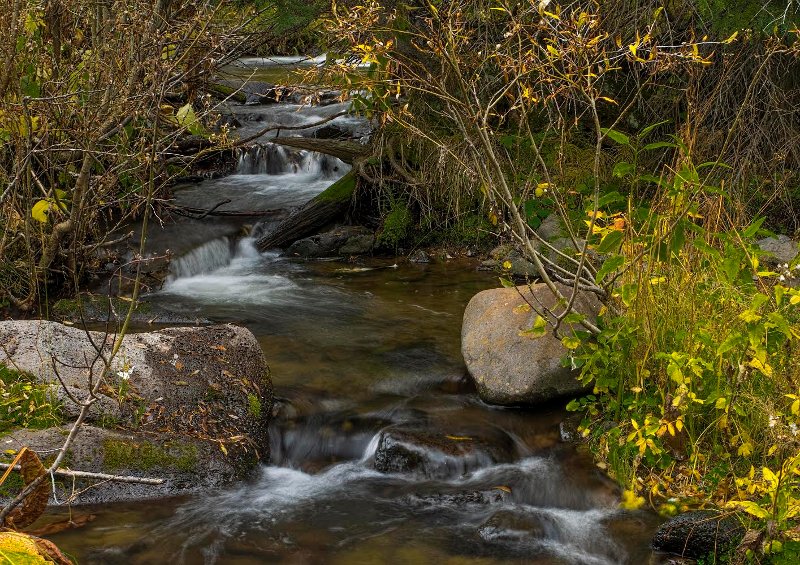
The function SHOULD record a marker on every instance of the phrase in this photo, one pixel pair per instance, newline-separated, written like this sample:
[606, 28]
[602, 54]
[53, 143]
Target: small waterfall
[267, 159]
[204, 259]
[318, 164]
[272, 159]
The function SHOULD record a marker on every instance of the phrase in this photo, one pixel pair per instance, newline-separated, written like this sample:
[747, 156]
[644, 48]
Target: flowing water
[364, 357]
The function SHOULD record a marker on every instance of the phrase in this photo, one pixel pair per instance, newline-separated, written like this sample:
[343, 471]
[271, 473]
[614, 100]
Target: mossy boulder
[191, 405]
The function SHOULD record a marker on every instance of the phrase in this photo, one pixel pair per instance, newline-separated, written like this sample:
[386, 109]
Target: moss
[254, 406]
[95, 307]
[13, 483]
[145, 455]
[340, 191]
[396, 225]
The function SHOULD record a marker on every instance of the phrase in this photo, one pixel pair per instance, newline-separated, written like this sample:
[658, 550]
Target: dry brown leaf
[35, 503]
[49, 550]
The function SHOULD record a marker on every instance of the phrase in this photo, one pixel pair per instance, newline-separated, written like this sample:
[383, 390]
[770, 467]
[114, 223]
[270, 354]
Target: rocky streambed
[376, 446]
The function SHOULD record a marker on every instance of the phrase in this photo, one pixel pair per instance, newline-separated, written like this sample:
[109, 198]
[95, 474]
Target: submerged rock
[439, 454]
[698, 534]
[511, 526]
[205, 388]
[510, 368]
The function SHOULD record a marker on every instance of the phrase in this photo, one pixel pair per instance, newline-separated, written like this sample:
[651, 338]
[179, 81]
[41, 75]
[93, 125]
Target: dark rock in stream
[460, 499]
[441, 454]
[345, 240]
[698, 534]
[189, 405]
[332, 131]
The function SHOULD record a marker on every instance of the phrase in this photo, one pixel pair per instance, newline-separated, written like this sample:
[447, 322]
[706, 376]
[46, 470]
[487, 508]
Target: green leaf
[730, 267]
[611, 198]
[651, 178]
[574, 318]
[646, 130]
[658, 145]
[619, 137]
[732, 342]
[538, 329]
[188, 119]
[780, 323]
[610, 242]
[628, 293]
[623, 168]
[609, 266]
[506, 283]
[753, 228]
[571, 342]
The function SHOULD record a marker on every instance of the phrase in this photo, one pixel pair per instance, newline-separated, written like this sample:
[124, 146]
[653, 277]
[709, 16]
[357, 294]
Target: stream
[364, 356]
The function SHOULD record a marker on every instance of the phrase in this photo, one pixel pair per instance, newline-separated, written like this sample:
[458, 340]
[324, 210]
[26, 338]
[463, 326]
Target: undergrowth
[26, 404]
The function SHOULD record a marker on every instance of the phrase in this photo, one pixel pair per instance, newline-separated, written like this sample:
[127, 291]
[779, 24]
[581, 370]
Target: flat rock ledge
[509, 368]
[187, 405]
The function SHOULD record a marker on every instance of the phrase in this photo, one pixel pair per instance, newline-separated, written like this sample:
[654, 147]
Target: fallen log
[224, 92]
[313, 216]
[347, 151]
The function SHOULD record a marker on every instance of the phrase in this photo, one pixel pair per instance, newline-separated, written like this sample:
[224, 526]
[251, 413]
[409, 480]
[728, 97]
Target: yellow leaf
[223, 448]
[630, 501]
[732, 38]
[40, 210]
[750, 507]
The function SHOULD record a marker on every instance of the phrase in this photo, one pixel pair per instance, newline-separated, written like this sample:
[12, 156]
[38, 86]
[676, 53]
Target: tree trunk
[347, 151]
[314, 215]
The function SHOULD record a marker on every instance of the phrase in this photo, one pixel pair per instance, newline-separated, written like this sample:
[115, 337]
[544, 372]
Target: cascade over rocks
[509, 368]
[177, 397]
[434, 454]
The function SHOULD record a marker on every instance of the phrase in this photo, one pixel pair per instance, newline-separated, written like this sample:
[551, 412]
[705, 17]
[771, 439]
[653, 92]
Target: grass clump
[25, 403]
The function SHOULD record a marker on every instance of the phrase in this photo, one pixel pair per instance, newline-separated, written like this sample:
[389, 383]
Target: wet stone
[460, 499]
[441, 454]
[698, 534]
[510, 526]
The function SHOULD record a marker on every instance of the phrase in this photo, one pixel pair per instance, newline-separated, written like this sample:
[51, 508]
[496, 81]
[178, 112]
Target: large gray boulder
[779, 250]
[511, 368]
[194, 401]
